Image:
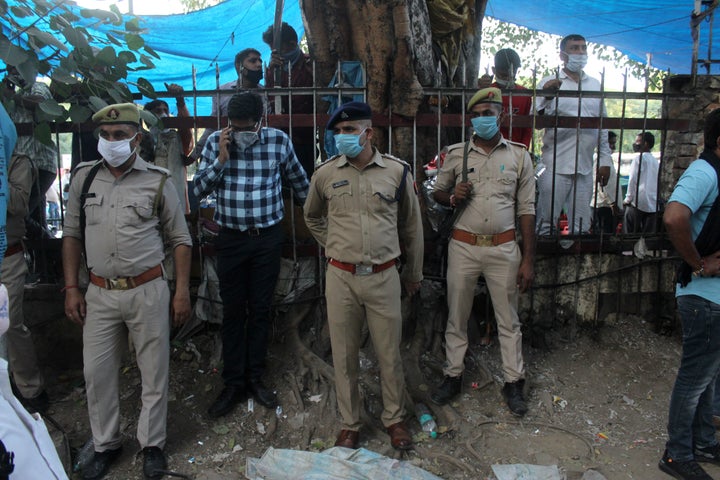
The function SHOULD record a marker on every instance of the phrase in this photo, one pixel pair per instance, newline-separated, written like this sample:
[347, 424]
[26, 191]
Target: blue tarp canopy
[214, 35]
[660, 28]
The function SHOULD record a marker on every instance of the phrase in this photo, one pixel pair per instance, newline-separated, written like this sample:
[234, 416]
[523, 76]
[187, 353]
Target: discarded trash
[628, 400]
[85, 454]
[251, 404]
[191, 460]
[278, 411]
[260, 428]
[427, 422]
[475, 385]
[315, 398]
[526, 472]
[559, 401]
[188, 397]
[602, 436]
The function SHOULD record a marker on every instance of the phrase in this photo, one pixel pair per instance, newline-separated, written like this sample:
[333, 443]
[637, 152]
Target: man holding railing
[568, 152]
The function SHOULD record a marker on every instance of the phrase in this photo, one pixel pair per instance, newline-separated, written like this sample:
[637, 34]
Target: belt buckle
[483, 240]
[117, 283]
[363, 269]
[253, 232]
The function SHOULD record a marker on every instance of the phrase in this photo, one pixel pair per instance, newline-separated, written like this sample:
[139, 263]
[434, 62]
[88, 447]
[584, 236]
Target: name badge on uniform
[341, 183]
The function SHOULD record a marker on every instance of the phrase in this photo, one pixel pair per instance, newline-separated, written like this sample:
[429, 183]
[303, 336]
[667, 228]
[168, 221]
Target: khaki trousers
[144, 312]
[21, 349]
[499, 266]
[352, 299]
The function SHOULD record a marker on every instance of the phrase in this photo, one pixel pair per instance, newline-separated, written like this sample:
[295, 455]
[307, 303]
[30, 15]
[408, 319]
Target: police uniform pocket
[93, 210]
[384, 197]
[135, 211]
[339, 196]
[507, 184]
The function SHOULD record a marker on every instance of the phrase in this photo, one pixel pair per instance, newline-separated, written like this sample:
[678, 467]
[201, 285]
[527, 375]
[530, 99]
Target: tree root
[536, 424]
[427, 454]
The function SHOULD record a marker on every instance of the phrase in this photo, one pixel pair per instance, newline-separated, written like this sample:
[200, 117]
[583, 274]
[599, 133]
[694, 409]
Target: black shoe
[226, 401]
[449, 388]
[689, 470]
[154, 463]
[513, 393]
[708, 454]
[262, 394]
[98, 466]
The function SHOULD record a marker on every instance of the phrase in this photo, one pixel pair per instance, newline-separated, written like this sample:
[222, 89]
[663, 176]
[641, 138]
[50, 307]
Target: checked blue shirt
[248, 185]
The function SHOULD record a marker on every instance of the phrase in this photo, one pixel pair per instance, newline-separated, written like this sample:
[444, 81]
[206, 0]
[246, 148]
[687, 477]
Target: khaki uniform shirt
[503, 185]
[361, 216]
[122, 237]
[20, 178]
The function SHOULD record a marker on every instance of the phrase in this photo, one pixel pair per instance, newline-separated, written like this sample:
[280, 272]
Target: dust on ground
[595, 403]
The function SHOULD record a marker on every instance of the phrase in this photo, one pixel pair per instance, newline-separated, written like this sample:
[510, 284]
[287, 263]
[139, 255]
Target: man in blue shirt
[243, 164]
[692, 219]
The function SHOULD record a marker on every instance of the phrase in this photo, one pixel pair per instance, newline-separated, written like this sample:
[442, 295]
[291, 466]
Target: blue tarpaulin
[214, 35]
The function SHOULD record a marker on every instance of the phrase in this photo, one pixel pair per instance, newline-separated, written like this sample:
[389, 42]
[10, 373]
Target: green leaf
[106, 56]
[75, 37]
[60, 90]
[116, 95]
[146, 88]
[221, 429]
[113, 40]
[132, 25]
[43, 134]
[146, 61]
[134, 42]
[52, 108]
[11, 54]
[103, 15]
[114, 8]
[152, 52]
[79, 113]
[97, 103]
[46, 38]
[127, 57]
[61, 75]
[20, 12]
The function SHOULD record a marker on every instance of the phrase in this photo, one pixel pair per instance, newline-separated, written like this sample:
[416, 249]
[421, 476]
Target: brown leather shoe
[399, 436]
[348, 439]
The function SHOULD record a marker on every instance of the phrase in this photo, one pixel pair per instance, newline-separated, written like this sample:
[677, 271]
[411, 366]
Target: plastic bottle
[427, 422]
[84, 455]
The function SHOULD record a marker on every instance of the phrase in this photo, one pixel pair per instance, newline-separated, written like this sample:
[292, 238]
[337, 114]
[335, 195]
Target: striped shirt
[248, 185]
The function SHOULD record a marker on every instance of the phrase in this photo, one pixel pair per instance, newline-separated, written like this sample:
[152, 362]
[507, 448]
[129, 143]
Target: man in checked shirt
[243, 163]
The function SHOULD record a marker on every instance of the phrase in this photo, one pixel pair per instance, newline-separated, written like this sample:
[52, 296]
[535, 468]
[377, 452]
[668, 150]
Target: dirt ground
[595, 403]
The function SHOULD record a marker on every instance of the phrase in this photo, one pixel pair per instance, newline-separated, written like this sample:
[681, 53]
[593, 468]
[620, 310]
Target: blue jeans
[691, 403]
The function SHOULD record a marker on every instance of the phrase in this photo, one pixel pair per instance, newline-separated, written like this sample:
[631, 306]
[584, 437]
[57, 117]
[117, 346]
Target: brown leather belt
[126, 283]
[13, 249]
[483, 240]
[362, 268]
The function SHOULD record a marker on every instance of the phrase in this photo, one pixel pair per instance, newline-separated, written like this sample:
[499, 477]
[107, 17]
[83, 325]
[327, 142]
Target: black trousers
[248, 265]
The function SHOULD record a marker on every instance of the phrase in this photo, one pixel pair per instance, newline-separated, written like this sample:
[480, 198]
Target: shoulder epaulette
[387, 156]
[86, 164]
[328, 161]
[455, 146]
[517, 144]
[162, 170]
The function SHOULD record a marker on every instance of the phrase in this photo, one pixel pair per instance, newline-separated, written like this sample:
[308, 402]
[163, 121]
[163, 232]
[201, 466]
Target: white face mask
[244, 140]
[115, 153]
[576, 62]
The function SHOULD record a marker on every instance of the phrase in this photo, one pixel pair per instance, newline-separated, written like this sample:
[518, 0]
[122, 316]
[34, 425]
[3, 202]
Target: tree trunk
[400, 50]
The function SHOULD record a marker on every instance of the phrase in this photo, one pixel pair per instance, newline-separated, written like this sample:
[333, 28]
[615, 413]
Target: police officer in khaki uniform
[500, 188]
[22, 358]
[129, 211]
[361, 205]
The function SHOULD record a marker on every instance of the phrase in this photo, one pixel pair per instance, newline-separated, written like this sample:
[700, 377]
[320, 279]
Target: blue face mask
[485, 127]
[348, 144]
